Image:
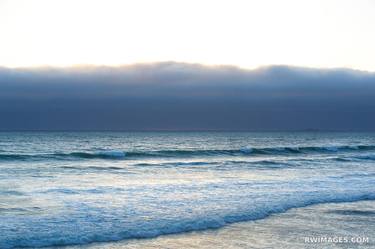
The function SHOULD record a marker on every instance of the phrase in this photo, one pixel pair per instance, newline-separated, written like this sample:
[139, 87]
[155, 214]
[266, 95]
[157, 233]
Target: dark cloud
[178, 96]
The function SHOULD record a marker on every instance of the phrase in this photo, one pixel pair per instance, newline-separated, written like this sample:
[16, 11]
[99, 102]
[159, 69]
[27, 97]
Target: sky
[246, 65]
[179, 96]
[243, 33]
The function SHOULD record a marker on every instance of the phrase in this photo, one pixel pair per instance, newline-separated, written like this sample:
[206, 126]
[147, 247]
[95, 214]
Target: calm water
[79, 188]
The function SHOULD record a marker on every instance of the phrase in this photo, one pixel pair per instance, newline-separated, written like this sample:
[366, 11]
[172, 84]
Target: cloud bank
[179, 96]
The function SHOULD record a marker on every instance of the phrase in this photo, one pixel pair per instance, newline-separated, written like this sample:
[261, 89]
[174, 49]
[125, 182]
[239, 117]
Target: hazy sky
[176, 96]
[43, 41]
[246, 33]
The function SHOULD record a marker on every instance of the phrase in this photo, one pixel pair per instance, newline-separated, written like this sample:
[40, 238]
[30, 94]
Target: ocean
[83, 188]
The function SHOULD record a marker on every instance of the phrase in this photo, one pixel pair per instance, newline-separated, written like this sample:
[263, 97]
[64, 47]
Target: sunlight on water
[79, 188]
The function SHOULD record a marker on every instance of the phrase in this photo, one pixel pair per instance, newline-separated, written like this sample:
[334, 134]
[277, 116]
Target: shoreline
[336, 225]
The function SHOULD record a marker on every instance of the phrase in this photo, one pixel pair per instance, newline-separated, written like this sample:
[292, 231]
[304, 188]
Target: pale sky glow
[316, 33]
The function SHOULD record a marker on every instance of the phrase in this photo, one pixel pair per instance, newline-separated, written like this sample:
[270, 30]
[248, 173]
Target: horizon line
[189, 130]
[207, 65]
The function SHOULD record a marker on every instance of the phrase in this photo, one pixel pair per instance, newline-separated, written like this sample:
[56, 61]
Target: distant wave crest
[245, 151]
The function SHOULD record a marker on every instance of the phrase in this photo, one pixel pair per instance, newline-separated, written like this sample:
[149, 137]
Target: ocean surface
[73, 188]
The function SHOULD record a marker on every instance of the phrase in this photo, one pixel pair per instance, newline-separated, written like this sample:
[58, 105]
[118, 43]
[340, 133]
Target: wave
[150, 228]
[112, 154]
[366, 157]
[118, 154]
[95, 168]
[356, 158]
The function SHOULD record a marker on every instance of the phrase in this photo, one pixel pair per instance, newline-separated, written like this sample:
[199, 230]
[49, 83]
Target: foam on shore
[354, 221]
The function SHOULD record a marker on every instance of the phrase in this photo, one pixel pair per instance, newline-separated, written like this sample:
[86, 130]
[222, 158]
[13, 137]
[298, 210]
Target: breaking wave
[246, 151]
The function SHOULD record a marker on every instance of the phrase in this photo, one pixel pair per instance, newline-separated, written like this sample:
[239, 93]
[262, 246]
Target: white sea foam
[246, 150]
[354, 147]
[171, 183]
[147, 210]
[112, 153]
[331, 148]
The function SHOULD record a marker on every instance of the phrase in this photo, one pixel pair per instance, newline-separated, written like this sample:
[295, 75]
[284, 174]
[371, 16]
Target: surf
[245, 151]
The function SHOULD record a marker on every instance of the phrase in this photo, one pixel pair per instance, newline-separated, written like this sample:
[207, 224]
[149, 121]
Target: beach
[337, 225]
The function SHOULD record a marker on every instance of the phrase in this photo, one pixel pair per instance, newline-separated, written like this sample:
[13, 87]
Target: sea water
[73, 188]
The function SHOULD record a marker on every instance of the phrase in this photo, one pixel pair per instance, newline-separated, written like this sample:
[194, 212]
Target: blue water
[79, 188]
